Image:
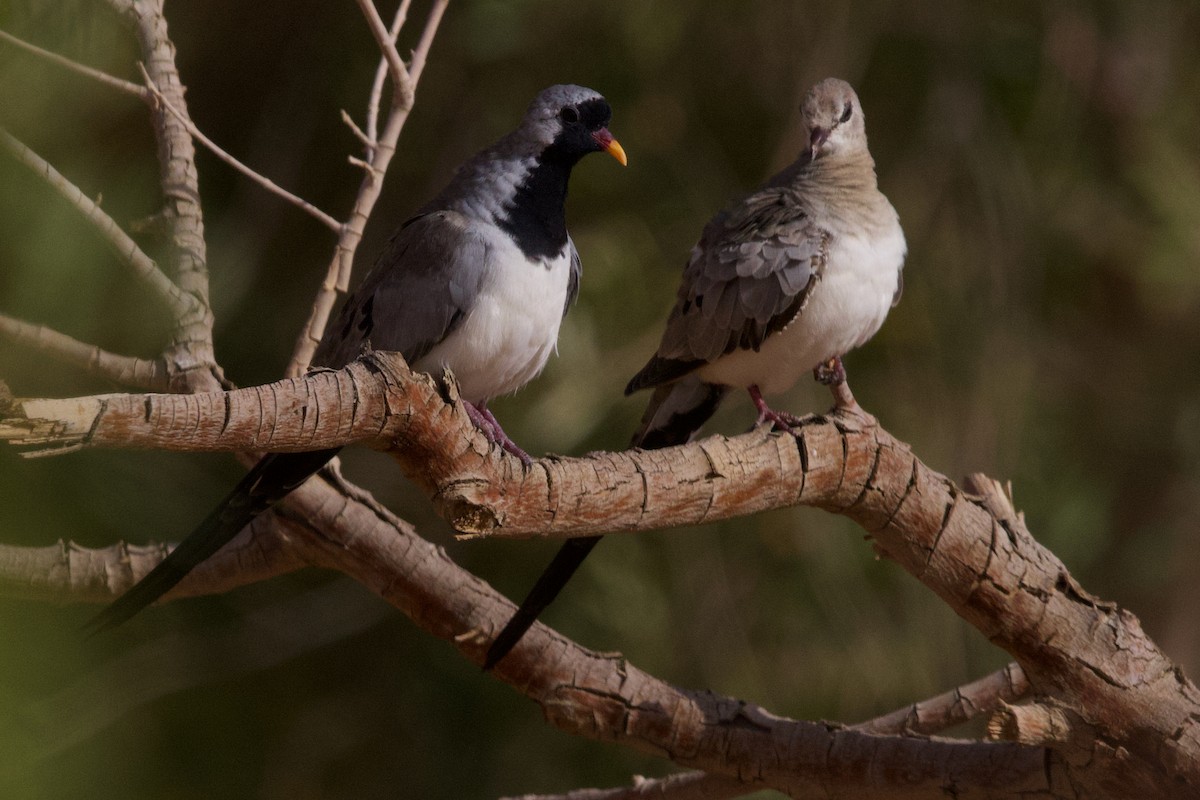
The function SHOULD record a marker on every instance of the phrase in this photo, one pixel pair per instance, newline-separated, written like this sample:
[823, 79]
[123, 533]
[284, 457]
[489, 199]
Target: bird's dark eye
[569, 115]
[847, 112]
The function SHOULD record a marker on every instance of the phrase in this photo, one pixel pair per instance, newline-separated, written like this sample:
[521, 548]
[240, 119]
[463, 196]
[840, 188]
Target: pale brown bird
[785, 281]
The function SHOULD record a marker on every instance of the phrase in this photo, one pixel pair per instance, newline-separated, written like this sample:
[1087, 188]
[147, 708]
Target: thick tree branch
[323, 409]
[973, 551]
[606, 698]
[684, 786]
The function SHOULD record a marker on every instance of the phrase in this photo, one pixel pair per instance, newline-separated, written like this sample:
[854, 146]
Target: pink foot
[780, 419]
[487, 422]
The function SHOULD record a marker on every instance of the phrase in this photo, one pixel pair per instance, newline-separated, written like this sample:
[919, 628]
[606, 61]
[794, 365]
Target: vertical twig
[337, 277]
[190, 356]
[381, 72]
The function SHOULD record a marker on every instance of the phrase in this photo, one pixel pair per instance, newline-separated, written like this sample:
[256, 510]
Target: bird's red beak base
[610, 145]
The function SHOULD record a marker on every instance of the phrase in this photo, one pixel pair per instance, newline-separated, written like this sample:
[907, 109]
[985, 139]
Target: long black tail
[675, 413]
[267, 482]
[548, 585]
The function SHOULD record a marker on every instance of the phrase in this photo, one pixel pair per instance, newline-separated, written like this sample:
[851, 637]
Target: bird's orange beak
[610, 145]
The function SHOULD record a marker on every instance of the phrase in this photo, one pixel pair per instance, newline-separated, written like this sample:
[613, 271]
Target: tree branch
[67, 573]
[219, 152]
[138, 373]
[337, 277]
[143, 266]
[120, 84]
[402, 88]
[973, 551]
[684, 786]
[604, 697]
[371, 135]
[190, 358]
[934, 715]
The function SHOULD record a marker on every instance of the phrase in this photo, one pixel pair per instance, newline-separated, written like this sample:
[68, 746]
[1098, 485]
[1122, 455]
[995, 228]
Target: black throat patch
[536, 218]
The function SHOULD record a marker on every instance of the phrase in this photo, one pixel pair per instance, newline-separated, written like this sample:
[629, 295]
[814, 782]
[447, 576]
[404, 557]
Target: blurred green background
[1045, 161]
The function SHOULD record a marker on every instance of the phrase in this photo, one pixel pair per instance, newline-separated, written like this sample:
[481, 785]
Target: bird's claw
[487, 422]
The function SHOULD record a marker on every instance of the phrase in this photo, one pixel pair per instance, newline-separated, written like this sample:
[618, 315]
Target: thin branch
[337, 276]
[421, 54]
[261, 180]
[138, 373]
[358, 132]
[684, 786]
[984, 696]
[179, 302]
[402, 84]
[381, 71]
[120, 84]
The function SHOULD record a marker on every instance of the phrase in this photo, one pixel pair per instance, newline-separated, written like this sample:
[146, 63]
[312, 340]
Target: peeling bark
[1085, 657]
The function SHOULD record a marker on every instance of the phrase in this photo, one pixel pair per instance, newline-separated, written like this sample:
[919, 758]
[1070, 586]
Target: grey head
[426, 278]
[520, 182]
[572, 120]
[833, 120]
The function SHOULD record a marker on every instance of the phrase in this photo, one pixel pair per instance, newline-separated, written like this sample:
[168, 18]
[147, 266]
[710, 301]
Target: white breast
[846, 309]
[511, 329]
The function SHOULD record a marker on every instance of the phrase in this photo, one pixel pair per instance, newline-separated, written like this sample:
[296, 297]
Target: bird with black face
[477, 282]
[783, 282]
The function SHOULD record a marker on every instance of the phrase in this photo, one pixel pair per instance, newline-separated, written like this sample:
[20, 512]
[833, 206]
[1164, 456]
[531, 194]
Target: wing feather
[748, 277]
[423, 283]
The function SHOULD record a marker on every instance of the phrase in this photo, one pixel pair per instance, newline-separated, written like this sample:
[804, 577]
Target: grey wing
[574, 276]
[422, 285]
[749, 276]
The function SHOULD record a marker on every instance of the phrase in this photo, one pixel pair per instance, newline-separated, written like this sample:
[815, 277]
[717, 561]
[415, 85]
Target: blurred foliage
[1045, 161]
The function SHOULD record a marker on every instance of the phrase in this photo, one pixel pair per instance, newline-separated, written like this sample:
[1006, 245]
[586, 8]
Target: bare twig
[337, 276]
[261, 180]
[358, 132]
[421, 53]
[120, 84]
[402, 85]
[381, 72]
[971, 700]
[179, 302]
[129, 371]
